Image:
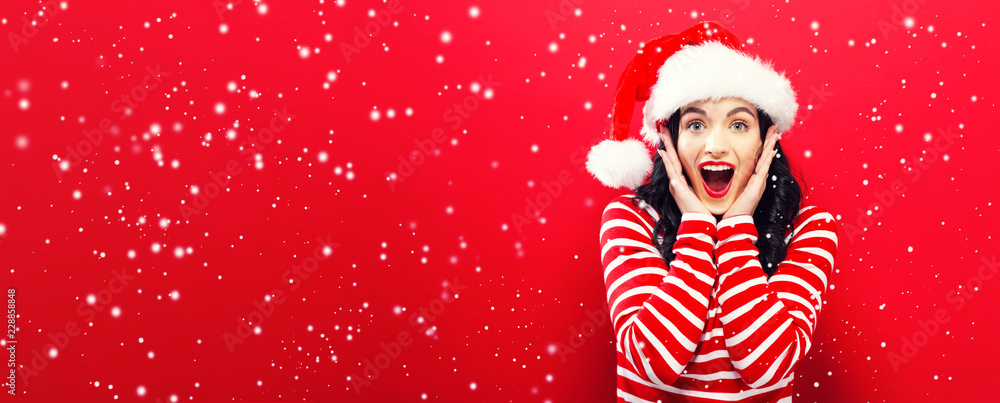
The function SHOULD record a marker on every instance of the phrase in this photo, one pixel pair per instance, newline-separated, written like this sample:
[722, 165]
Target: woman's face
[718, 144]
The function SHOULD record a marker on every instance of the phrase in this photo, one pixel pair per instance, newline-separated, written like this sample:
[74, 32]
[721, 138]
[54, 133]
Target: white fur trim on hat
[620, 163]
[713, 70]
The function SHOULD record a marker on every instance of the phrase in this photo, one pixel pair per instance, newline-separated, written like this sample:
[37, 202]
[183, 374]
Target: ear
[661, 130]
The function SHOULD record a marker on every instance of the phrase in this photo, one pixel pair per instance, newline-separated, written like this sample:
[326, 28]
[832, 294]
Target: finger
[769, 141]
[671, 154]
[760, 160]
[767, 149]
[665, 159]
[772, 134]
[767, 164]
[668, 146]
[774, 142]
[666, 164]
[663, 137]
[676, 162]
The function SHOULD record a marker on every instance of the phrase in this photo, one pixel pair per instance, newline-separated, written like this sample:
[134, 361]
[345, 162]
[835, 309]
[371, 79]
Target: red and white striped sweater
[712, 327]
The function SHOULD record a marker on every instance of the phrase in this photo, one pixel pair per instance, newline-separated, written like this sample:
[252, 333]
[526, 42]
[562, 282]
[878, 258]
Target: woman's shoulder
[809, 212]
[625, 198]
[628, 216]
[812, 218]
[630, 206]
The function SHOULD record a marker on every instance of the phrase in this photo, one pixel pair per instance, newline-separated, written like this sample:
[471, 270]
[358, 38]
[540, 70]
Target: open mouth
[717, 177]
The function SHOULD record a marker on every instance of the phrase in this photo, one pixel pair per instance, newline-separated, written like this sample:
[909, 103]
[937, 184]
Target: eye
[695, 123]
[740, 126]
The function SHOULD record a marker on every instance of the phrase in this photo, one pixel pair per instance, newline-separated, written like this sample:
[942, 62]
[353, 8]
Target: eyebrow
[693, 110]
[744, 109]
[731, 113]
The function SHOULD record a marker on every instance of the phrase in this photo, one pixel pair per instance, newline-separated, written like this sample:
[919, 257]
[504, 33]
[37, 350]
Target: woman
[722, 303]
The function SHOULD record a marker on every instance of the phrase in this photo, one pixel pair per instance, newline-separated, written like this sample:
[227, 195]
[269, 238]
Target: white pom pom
[620, 164]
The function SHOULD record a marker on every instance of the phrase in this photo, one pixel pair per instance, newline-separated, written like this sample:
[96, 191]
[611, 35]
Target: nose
[715, 143]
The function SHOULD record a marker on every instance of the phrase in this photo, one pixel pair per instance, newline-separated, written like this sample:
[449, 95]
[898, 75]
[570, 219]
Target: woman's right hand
[687, 201]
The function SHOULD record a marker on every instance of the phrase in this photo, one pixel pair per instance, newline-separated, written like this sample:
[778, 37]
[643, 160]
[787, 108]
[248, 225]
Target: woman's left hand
[746, 202]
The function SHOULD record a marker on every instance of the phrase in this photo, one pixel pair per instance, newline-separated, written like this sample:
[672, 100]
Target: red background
[883, 94]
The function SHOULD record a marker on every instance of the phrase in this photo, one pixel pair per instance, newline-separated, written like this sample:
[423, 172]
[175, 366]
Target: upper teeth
[716, 167]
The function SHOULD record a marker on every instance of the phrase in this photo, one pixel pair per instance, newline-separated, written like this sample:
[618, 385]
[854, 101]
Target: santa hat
[703, 62]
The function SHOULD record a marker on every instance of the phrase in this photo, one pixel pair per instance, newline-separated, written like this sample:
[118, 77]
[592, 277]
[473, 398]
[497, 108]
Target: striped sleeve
[658, 313]
[768, 324]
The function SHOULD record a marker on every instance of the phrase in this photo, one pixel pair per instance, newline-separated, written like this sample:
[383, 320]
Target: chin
[716, 208]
